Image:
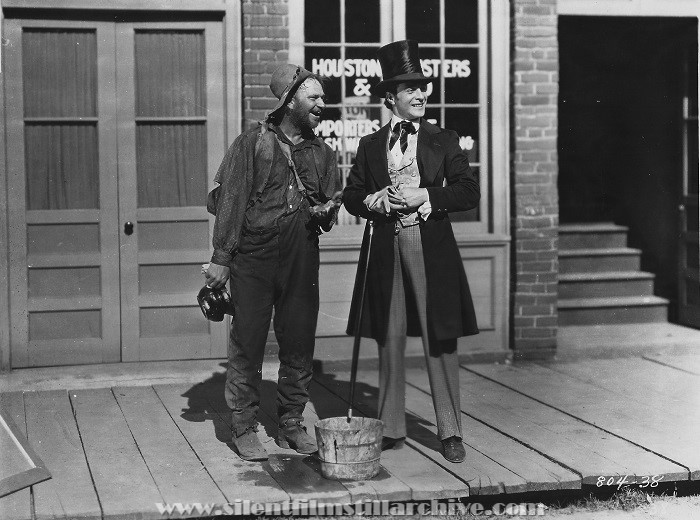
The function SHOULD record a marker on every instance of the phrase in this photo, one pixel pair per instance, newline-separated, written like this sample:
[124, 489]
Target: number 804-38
[628, 480]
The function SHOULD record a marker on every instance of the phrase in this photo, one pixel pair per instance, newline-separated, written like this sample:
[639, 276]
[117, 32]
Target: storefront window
[340, 41]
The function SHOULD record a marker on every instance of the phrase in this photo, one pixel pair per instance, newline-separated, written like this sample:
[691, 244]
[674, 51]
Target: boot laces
[294, 423]
[253, 428]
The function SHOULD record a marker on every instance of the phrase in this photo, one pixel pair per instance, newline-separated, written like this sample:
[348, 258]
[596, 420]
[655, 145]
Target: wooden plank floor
[628, 410]
[484, 470]
[684, 363]
[119, 452]
[52, 431]
[587, 450]
[208, 435]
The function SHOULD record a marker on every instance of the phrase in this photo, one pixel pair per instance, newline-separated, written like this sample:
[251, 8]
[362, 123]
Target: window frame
[493, 70]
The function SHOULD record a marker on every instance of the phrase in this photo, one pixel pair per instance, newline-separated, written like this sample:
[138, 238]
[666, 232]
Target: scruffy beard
[300, 119]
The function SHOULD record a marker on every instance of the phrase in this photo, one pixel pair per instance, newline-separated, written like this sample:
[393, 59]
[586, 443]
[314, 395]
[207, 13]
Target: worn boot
[453, 449]
[248, 445]
[292, 434]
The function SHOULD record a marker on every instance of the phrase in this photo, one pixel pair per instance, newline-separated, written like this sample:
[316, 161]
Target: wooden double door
[114, 133]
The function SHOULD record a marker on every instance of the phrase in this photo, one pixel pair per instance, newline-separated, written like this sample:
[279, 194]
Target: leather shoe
[389, 443]
[248, 445]
[453, 449]
[292, 434]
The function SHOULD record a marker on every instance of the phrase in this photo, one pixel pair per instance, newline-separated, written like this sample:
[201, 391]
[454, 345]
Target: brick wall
[265, 47]
[535, 209]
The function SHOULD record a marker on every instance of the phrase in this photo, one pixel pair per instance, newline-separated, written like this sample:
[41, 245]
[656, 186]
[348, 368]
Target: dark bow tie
[400, 133]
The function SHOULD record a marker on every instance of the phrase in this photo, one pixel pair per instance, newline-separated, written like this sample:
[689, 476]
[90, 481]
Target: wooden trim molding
[13, 439]
[296, 32]
[4, 264]
[128, 5]
[499, 46]
[629, 8]
[15, 190]
[233, 71]
[4, 246]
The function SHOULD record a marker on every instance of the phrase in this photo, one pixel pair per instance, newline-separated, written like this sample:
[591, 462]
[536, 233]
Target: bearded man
[277, 186]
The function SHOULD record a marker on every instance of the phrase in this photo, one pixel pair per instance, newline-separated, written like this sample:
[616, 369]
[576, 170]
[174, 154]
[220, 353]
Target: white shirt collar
[396, 119]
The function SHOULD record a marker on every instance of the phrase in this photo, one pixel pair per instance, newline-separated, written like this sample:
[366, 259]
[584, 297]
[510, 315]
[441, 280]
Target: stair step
[608, 283]
[621, 301]
[600, 281]
[606, 275]
[593, 227]
[587, 260]
[594, 235]
[625, 309]
[599, 251]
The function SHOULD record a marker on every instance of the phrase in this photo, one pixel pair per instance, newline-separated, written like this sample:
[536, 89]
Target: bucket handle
[351, 462]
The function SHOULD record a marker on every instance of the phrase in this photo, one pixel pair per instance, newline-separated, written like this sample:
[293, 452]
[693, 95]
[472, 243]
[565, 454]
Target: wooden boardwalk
[118, 452]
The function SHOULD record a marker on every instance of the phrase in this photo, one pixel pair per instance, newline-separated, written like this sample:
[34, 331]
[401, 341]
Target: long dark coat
[450, 307]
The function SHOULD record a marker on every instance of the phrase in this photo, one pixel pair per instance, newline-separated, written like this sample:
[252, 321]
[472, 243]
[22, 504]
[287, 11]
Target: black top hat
[400, 63]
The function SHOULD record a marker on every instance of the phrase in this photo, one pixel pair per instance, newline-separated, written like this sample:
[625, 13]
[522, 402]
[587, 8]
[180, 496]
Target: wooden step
[627, 309]
[594, 235]
[608, 283]
[599, 260]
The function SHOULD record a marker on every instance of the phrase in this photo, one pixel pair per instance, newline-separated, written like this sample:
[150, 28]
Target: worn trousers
[276, 271]
[409, 281]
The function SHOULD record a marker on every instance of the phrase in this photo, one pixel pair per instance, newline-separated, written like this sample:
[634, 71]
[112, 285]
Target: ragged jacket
[242, 177]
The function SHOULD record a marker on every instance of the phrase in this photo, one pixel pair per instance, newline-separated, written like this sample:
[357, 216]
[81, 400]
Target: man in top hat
[277, 183]
[407, 177]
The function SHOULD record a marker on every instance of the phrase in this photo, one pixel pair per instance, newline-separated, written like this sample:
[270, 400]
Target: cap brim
[379, 89]
[287, 95]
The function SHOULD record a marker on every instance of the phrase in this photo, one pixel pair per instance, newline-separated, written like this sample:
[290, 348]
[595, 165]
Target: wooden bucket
[349, 451]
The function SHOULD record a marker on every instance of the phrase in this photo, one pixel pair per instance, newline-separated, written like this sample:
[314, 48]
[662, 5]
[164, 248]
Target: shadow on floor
[366, 397]
[205, 402]
[328, 394]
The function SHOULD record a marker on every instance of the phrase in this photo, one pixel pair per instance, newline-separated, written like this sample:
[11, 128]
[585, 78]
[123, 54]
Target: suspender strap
[288, 154]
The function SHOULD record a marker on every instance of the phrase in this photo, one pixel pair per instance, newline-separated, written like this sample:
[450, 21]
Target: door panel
[171, 139]
[63, 212]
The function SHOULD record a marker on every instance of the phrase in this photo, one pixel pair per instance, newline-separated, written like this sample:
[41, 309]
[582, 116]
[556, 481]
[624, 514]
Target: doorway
[623, 137]
[113, 131]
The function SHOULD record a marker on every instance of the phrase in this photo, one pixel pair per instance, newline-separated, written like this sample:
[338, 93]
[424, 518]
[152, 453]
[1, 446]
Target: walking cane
[358, 322]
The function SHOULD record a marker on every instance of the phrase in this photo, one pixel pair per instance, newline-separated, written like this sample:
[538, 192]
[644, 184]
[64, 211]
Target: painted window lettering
[359, 68]
[342, 46]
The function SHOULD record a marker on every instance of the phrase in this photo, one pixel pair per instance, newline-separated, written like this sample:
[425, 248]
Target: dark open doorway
[621, 131]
